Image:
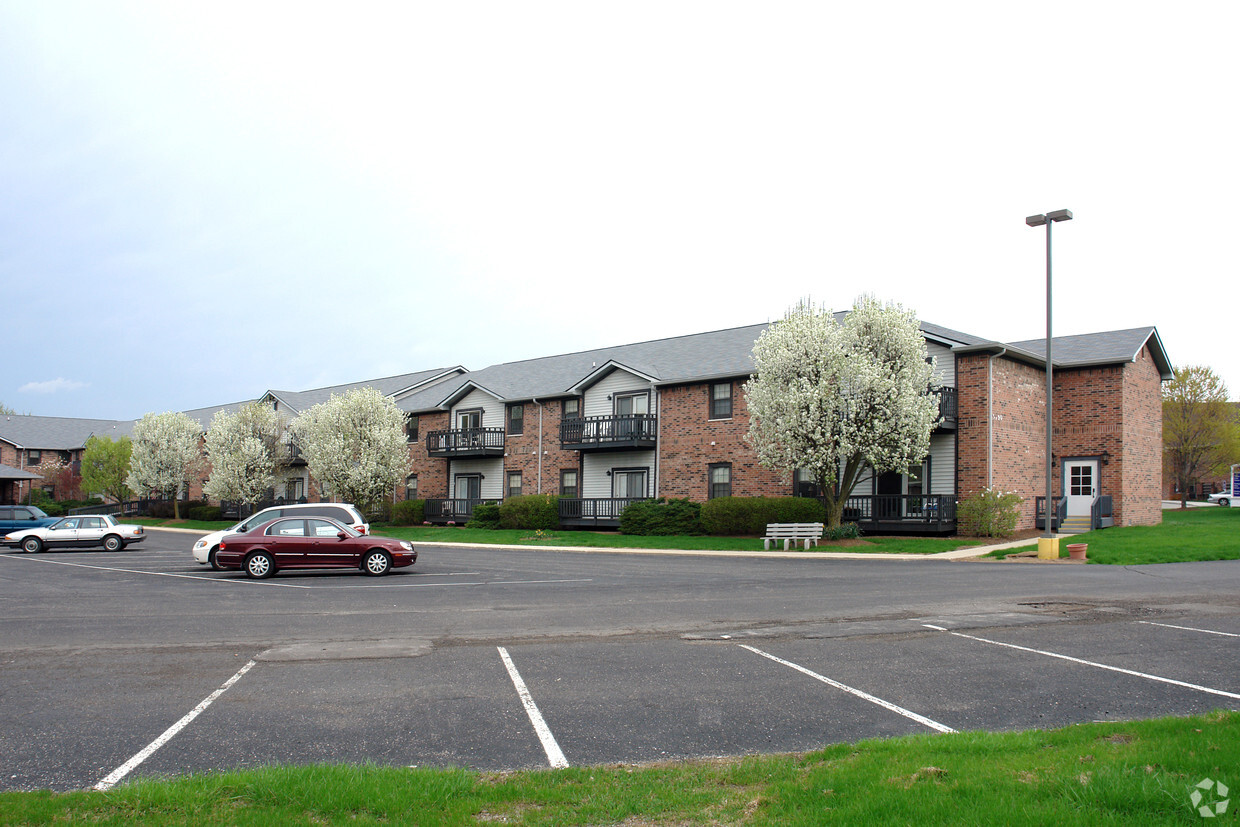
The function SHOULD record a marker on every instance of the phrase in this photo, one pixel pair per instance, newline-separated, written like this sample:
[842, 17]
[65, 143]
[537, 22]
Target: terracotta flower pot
[1076, 551]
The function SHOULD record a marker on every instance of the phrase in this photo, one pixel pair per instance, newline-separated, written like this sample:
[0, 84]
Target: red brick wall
[686, 434]
[1113, 410]
[1016, 419]
[432, 471]
[1142, 458]
[522, 450]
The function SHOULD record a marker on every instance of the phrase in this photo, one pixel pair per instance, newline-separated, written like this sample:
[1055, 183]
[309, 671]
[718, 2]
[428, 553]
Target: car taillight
[223, 545]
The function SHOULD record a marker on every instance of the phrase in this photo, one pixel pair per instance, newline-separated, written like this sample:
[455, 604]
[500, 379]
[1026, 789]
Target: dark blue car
[19, 517]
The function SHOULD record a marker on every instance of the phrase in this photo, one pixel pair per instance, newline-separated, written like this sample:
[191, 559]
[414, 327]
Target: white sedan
[87, 531]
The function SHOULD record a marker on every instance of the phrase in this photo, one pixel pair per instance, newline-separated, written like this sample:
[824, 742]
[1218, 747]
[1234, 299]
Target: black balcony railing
[603, 511]
[466, 442]
[609, 432]
[949, 407]
[882, 513]
[451, 509]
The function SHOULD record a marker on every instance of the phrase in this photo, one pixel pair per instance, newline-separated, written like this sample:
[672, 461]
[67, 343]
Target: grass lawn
[603, 539]
[1184, 535]
[1142, 772]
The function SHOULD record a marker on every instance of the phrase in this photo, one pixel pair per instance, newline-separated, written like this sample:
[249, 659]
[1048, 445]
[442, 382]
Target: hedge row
[740, 516]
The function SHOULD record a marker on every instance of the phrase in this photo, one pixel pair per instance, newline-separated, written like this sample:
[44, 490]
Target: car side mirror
[342, 535]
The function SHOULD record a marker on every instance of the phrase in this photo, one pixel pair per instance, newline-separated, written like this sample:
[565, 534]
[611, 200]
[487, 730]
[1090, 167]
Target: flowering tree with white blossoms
[249, 452]
[354, 445]
[832, 398]
[166, 454]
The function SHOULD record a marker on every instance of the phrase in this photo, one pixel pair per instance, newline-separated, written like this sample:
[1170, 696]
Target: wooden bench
[809, 532]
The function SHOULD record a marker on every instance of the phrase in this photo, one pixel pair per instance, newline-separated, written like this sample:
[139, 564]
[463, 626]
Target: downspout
[540, 443]
[990, 416]
[658, 434]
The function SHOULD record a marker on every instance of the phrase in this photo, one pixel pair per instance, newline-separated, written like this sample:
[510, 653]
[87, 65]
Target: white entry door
[1081, 484]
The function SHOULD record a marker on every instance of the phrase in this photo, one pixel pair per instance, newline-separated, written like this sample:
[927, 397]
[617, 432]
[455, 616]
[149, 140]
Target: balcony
[466, 442]
[601, 512]
[609, 433]
[902, 513]
[451, 510]
[949, 404]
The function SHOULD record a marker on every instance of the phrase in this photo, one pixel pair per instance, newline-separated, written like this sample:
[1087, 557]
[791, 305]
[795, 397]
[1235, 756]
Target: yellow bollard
[1048, 548]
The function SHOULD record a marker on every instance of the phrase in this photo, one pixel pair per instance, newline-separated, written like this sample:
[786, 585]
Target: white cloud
[53, 386]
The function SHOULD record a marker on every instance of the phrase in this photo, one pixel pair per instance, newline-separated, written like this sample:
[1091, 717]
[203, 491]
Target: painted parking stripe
[1069, 658]
[1188, 628]
[554, 756]
[126, 768]
[865, 696]
[158, 573]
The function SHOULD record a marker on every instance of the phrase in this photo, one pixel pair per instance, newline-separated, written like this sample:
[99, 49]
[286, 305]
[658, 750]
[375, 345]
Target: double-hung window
[721, 400]
[720, 480]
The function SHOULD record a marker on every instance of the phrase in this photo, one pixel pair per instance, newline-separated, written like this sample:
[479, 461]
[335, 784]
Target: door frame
[1080, 504]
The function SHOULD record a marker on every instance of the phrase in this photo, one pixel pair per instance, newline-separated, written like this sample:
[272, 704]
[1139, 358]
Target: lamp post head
[1057, 215]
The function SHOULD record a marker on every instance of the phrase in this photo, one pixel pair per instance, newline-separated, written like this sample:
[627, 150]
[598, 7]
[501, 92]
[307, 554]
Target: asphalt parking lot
[141, 663]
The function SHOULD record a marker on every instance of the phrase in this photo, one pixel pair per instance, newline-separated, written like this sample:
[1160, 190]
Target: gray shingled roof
[8, 472]
[297, 401]
[54, 433]
[680, 359]
[1086, 349]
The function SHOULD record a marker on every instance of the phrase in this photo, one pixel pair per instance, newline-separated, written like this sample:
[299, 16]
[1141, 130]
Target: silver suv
[343, 513]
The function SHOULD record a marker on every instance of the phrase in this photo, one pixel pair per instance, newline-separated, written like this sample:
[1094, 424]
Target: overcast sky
[203, 201]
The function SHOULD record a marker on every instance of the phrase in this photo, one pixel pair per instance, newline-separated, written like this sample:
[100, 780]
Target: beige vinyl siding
[492, 470]
[942, 464]
[492, 409]
[945, 364]
[596, 403]
[594, 479]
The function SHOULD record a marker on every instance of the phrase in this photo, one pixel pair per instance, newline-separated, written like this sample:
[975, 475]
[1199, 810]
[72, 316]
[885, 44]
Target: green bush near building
[409, 512]
[662, 517]
[531, 512]
[732, 516]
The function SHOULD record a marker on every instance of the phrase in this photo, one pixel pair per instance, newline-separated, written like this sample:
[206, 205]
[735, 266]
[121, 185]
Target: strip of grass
[1186, 535]
[196, 525]
[596, 539]
[1141, 772]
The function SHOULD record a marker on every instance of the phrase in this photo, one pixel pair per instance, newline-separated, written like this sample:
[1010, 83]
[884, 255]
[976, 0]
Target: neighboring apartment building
[667, 418]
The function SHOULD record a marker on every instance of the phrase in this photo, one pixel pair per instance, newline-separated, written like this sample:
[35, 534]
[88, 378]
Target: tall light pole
[1048, 546]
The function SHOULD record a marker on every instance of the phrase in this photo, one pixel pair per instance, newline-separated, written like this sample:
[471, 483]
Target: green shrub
[843, 531]
[206, 513]
[661, 517]
[486, 515]
[732, 516]
[988, 513]
[530, 512]
[409, 512]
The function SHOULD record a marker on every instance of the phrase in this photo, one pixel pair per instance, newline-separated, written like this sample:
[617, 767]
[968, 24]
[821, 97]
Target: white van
[343, 513]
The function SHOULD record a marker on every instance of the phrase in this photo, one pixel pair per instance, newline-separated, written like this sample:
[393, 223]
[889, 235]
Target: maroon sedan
[311, 543]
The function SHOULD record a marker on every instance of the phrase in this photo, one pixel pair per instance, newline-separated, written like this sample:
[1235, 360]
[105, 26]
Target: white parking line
[126, 768]
[554, 756]
[158, 573]
[1188, 628]
[865, 696]
[1071, 659]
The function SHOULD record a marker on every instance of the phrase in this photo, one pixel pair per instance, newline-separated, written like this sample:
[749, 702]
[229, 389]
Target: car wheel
[260, 565]
[32, 545]
[376, 563]
[1223, 502]
[112, 543]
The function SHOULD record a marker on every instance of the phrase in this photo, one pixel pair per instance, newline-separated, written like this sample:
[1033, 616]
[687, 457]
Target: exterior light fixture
[1048, 546]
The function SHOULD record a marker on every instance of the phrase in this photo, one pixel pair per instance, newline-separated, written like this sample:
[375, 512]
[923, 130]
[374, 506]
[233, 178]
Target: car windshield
[38, 512]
